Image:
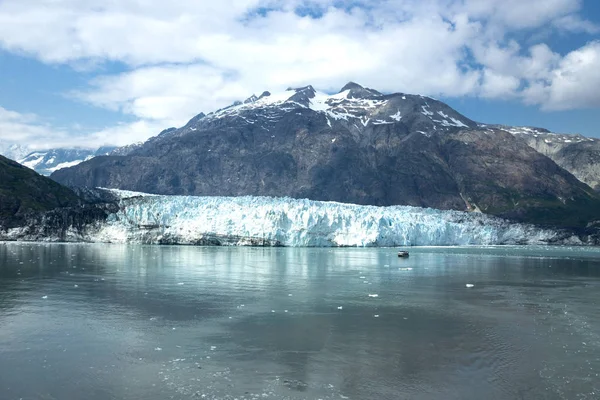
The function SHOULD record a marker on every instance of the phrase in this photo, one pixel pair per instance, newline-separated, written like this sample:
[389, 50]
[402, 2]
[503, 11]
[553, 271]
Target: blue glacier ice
[292, 222]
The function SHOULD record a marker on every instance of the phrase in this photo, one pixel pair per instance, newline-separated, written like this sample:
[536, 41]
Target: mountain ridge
[47, 161]
[356, 146]
[23, 190]
[576, 153]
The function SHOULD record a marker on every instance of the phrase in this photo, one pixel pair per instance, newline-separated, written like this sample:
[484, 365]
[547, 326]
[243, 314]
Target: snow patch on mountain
[397, 116]
[544, 134]
[354, 107]
[32, 160]
[267, 101]
[426, 110]
[339, 106]
[68, 164]
[459, 123]
[125, 150]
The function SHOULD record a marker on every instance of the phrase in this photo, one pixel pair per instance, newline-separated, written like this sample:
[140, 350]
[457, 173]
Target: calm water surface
[81, 321]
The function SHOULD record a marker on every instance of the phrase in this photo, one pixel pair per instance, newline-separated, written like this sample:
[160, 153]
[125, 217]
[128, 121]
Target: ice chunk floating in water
[292, 222]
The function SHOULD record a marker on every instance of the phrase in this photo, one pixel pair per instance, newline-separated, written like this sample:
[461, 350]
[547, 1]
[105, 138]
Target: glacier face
[291, 222]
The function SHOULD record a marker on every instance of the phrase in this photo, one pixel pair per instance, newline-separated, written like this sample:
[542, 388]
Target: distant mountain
[357, 146]
[13, 151]
[577, 154]
[47, 161]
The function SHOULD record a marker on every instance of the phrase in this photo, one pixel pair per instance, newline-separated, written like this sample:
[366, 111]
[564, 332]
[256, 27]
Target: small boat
[403, 254]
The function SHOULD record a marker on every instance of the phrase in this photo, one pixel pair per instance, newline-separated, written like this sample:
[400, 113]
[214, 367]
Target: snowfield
[292, 222]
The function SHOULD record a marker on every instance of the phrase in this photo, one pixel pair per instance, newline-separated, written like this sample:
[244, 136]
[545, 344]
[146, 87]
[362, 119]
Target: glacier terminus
[248, 220]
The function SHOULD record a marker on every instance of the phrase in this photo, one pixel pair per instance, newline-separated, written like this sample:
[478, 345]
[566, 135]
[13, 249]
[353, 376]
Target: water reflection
[100, 322]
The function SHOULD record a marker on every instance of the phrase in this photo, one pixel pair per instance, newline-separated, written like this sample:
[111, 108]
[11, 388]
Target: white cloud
[16, 128]
[190, 56]
[169, 93]
[573, 83]
[495, 85]
[123, 134]
[520, 14]
[573, 23]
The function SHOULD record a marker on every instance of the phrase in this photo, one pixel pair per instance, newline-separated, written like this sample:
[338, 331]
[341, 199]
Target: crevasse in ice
[292, 222]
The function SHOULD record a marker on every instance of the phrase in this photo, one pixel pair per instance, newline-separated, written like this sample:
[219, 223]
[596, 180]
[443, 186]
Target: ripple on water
[129, 330]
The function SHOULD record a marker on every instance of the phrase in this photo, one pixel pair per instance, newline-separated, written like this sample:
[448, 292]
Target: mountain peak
[251, 99]
[350, 86]
[192, 122]
[169, 130]
[357, 91]
[305, 89]
[303, 95]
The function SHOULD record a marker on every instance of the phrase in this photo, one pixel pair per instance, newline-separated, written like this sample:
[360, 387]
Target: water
[145, 322]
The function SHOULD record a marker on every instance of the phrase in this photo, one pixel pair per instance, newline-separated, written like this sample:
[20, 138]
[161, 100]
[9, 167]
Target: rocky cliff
[34, 207]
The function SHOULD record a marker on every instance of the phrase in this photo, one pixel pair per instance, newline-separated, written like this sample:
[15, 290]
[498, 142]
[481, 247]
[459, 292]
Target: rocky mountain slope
[34, 207]
[22, 191]
[577, 154]
[356, 146]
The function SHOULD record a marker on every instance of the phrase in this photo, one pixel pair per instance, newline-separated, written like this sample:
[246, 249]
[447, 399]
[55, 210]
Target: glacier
[157, 219]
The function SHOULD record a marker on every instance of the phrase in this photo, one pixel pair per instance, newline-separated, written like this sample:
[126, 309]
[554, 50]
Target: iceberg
[155, 219]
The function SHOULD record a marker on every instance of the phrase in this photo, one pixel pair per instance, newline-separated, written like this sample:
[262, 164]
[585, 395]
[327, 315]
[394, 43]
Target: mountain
[13, 151]
[34, 207]
[47, 161]
[123, 150]
[23, 190]
[357, 146]
[577, 154]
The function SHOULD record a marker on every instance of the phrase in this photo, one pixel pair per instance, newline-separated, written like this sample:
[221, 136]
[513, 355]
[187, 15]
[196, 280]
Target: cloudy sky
[99, 72]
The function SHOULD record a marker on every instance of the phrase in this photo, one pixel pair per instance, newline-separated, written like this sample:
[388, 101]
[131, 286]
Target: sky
[114, 72]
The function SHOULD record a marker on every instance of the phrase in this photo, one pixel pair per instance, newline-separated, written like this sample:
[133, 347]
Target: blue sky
[75, 74]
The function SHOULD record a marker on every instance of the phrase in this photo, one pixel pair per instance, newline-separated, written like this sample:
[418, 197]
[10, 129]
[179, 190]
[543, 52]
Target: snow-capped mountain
[124, 150]
[354, 106]
[356, 146]
[577, 154]
[13, 151]
[47, 161]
